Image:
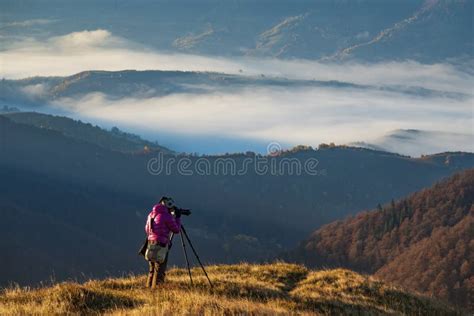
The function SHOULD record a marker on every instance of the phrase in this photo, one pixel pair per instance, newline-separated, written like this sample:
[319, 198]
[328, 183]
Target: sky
[248, 117]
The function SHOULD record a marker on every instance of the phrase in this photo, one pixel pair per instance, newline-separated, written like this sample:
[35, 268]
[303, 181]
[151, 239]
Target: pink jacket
[162, 225]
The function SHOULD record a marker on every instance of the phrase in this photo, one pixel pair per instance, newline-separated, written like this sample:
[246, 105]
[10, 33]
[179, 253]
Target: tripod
[183, 244]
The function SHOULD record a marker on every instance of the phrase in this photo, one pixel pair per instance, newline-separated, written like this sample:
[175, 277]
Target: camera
[181, 211]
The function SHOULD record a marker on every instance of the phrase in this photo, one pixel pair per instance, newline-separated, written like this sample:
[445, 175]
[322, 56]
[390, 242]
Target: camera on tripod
[176, 211]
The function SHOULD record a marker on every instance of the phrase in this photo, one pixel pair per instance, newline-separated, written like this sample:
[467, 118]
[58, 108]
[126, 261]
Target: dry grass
[272, 289]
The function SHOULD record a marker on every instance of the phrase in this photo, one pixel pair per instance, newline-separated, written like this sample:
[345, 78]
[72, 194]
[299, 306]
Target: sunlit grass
[271, 289]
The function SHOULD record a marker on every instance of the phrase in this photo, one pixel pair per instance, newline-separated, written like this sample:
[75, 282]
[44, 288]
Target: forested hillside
[423, 242]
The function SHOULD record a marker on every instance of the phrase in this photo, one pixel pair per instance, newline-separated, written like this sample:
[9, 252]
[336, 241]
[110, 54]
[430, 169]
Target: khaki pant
[156, 273]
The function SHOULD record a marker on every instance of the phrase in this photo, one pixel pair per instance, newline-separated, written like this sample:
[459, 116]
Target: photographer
[159, 225]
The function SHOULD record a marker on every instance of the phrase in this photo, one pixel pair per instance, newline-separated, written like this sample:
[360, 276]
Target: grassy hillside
[273, 289]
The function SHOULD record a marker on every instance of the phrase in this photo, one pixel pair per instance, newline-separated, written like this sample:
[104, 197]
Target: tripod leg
[195, 253]
[186, 257]
[170, 243]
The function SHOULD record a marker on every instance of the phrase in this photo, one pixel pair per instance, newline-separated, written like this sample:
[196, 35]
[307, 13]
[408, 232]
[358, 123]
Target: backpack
[142, 250]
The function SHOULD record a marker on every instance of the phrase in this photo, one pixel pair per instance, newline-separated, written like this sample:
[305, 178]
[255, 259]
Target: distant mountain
[423, 30]
[114, 139]
[320, 30]
[423, 242]
[139, 84]
[39, 91]
[418, 142]
[440, 29]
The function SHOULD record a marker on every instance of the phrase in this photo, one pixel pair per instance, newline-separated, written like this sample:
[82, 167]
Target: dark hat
[165, 198]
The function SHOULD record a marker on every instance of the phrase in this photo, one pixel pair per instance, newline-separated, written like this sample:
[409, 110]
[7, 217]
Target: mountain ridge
[142, 84]
[232, 29]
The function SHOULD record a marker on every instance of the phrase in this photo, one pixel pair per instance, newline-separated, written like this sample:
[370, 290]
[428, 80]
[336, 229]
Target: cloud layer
[291, 117]
[288, 115]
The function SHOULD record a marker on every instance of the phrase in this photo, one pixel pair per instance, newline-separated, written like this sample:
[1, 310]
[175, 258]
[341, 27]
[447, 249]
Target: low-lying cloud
[307, 116]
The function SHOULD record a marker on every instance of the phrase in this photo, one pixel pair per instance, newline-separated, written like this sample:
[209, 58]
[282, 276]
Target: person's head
[167, 201]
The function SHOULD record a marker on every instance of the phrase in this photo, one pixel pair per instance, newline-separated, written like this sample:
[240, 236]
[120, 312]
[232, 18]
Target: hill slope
[441, 264]
[424, 241]
[273, 289]
[113, 139]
